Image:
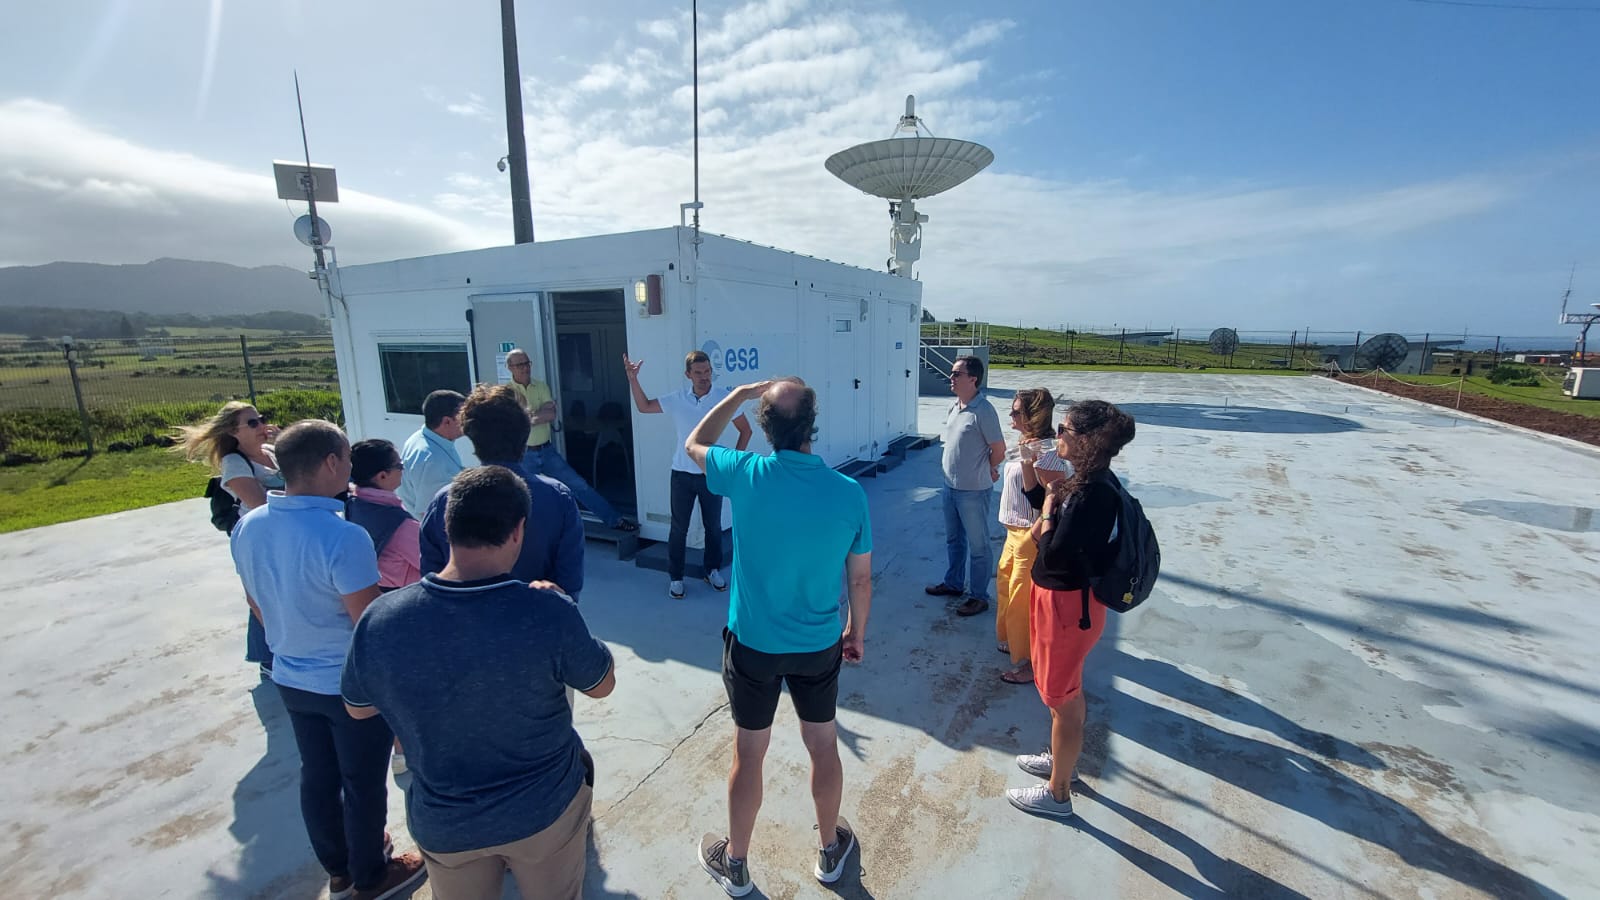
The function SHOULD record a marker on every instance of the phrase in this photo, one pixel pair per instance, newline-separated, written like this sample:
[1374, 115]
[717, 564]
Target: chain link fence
[75, 398]
[1421, 353]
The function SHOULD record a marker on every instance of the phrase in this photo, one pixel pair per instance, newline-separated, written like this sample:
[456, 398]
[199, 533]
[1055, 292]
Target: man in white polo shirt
[688, 406]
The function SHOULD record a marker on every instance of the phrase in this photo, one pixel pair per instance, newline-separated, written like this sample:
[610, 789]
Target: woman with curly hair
[1075, 536]
[236, 444]
[1036, 462]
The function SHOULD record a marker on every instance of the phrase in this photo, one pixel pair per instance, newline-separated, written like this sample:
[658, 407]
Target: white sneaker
[1038, 800]
[716, 580]
[675, 590]
[1038, 765]
[397, 763]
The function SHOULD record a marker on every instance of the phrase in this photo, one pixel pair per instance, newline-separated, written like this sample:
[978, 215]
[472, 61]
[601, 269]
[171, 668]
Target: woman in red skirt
[1074, 535]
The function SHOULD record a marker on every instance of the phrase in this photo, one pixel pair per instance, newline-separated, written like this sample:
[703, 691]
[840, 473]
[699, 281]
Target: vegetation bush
[1513, 375]
[34, 435]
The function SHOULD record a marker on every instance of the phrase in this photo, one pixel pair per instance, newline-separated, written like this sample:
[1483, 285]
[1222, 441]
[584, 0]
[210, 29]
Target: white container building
[408, 327]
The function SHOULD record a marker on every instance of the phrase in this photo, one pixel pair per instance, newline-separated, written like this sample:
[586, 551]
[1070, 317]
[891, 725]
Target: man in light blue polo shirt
[308, 576]
[798, 527]
[429, 456]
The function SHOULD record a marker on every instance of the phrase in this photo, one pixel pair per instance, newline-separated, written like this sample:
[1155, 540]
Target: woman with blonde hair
[1036, 463]
[236, 444]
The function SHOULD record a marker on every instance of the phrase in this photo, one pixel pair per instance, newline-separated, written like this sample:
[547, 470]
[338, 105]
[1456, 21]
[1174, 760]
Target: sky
[1404, 165]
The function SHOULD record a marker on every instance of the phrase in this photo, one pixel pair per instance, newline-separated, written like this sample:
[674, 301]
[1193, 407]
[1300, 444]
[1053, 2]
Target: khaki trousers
[549, 864]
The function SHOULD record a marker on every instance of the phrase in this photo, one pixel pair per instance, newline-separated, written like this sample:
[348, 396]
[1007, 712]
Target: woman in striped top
[1035, 462]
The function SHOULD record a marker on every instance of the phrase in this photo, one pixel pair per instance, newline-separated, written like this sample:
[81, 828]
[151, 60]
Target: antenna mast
[309, 184]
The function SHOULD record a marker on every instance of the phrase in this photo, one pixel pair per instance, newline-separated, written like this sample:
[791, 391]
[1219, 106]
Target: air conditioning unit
[1583, 384]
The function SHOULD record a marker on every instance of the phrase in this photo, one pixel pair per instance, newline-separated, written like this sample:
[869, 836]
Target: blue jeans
[344, 784]
[255, 643]
[966, 536]
[546, 461]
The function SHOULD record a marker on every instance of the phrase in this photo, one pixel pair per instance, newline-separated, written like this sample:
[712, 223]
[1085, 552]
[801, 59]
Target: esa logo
[733, 359]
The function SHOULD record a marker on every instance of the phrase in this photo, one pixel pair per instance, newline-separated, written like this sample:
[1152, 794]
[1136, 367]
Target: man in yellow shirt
[542, 458]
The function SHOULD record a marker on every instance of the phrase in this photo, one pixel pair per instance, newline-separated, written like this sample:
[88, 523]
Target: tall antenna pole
[516, 143]
[694, 29]
[306, 182]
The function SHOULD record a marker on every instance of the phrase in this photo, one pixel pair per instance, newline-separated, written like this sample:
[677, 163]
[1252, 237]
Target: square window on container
[413, 371]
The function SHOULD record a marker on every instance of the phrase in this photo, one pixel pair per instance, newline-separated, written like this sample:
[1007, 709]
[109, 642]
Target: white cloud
[71, 191]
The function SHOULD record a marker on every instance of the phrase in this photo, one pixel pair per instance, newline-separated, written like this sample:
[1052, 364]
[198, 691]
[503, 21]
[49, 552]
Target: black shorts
[755, 680]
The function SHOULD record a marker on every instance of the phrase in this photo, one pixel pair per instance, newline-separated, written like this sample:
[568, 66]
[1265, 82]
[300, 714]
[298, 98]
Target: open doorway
[591, 389]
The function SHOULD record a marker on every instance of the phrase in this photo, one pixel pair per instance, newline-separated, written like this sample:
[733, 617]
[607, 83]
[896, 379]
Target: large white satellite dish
[904, 169]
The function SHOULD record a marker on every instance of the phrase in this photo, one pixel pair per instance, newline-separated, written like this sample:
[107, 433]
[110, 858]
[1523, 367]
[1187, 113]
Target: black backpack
[226, 510]
[1130, 577]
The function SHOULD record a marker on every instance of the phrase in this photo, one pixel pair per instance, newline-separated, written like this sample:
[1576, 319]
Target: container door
[900, 340]
[846, 402]
[502, 323]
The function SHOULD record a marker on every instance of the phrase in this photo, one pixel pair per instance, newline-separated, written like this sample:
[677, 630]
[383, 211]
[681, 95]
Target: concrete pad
[1367, 671]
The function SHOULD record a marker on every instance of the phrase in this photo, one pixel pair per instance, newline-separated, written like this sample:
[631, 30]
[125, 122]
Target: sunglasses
[396, 467]
[1015, 413]
[1063, 430]
[526, 365]
[256, 422]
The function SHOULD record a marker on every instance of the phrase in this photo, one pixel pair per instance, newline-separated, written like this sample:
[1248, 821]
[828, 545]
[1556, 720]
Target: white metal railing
[955, 334]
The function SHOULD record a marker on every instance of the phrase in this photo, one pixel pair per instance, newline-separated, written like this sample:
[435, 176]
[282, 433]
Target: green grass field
[1546, 396]
[66, 490]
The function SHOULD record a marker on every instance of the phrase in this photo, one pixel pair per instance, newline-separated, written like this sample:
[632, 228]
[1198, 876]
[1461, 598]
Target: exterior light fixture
[647, 293]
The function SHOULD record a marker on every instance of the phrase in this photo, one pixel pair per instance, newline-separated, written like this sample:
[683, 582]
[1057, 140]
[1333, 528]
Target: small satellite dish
[302, 230]
[1224, 341]
[1382, 351]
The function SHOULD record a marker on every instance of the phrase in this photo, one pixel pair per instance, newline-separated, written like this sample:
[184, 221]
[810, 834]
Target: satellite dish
[302, 230]
[1224, 341]
[1382, 351]
[909, 168]
[904, 169]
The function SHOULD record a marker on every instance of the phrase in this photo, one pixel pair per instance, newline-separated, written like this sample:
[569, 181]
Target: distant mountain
[165, 286]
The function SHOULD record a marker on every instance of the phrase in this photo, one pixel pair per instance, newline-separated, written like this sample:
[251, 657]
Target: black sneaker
[830, 860]
[732, 874]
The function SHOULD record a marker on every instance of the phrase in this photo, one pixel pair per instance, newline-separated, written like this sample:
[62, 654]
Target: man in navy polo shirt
[798, 526]
[309, 575]
[496, 423]
[471, 667]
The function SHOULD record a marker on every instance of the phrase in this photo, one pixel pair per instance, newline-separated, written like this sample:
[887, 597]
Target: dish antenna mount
[1382, 351]
[904, 168]
[1224, 341]
[1583, 320]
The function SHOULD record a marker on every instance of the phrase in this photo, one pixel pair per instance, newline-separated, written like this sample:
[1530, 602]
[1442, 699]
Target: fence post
[249, 377]
[77, 391]
[1177, 335]
[1120, 342]
[1422, 361]
[1496, 352]
[1069, 344]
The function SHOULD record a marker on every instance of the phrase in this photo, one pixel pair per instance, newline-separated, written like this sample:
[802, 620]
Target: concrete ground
[1368, 670]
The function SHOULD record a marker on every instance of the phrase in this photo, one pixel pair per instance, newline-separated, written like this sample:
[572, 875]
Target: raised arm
[640, 401]
[705, 434]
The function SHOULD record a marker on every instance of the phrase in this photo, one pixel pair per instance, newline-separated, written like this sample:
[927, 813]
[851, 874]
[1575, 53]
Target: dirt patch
[1567, 425]
[180, 829]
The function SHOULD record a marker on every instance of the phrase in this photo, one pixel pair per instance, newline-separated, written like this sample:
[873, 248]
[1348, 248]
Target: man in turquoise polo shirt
[798, 526]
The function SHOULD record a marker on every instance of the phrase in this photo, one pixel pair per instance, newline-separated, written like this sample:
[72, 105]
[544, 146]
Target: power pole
[516, 142]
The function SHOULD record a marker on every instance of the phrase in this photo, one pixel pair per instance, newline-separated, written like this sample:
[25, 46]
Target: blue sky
[1265, 164]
